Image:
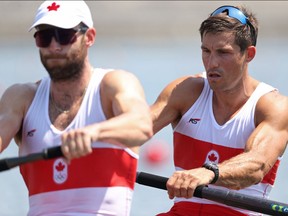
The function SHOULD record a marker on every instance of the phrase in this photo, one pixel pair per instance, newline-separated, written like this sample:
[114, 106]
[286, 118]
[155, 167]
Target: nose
[211, 61]
[54, 45]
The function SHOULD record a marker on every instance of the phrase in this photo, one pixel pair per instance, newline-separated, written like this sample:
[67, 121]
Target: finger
[73, 149]
[83, 143]
[68, 145]
[177, 187]
[87, 145]
[66, 154]
[191, 189]
[190, 193]
[170, 185]
[64, 146]
[79, 145]
[184, 188]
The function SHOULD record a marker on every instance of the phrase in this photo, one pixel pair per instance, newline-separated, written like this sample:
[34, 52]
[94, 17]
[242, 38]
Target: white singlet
[198, 138]
[101, 183]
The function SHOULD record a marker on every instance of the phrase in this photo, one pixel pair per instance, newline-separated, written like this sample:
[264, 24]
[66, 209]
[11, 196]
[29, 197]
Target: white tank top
[198, 138]
[101, 183]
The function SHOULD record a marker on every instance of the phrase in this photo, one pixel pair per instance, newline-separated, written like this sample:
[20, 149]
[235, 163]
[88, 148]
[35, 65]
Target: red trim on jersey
[191, 153]
[271, 175]
[105, 167]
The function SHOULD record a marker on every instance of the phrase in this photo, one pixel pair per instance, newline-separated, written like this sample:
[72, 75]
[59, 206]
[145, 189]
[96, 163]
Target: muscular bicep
[270, 137]
[122, 93]
[127, 112]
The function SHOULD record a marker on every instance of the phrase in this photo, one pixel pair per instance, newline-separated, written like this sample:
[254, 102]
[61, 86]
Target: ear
[90, 35]
[251, 52]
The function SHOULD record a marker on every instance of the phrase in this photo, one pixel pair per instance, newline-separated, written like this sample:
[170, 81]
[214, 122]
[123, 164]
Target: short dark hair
[245, 34]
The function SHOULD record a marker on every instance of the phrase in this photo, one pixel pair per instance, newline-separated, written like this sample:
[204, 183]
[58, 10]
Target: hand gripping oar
[230, 198]
[49, 153]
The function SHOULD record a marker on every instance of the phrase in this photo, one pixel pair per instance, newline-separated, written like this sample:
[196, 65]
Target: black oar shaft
[53, 152]
[227, 197]
[49, 153]
[252, 203]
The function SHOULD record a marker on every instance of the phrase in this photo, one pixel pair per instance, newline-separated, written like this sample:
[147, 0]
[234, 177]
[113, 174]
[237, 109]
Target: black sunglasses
[64, 37]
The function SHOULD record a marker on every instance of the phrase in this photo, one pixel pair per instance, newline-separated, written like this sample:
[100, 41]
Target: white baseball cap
[63, 14]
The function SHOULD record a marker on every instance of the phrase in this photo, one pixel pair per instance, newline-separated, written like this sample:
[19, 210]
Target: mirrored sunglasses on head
[232, 12]
[237, 14]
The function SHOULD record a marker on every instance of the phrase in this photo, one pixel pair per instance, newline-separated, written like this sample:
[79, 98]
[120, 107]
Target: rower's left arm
[128, 123]
[265, 145]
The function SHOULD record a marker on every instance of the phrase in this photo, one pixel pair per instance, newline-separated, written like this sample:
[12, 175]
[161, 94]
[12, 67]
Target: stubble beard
[69, 71]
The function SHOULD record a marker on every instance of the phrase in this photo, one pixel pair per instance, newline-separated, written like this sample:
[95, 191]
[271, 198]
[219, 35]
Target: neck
[64, 95]
[73, 86]
[236, 93]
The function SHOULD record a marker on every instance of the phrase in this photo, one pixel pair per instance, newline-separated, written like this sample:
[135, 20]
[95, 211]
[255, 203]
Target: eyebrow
[203, 47]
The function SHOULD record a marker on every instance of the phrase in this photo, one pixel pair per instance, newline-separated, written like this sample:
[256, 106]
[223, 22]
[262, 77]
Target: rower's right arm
[14, 104]
[174, 100]
[167, 109]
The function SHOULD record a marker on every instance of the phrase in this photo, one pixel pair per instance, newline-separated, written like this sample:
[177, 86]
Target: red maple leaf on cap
[60, 166]
[53, 7]
[212, 157]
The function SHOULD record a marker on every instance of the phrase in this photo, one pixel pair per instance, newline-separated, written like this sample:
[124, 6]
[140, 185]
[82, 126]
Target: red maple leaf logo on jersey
[60, 167]
[53, 7]
[212, 157]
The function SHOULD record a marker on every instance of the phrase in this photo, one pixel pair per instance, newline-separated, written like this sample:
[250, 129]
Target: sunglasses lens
[43, 38]
[66, 36]
[231, 12]
[62, 36]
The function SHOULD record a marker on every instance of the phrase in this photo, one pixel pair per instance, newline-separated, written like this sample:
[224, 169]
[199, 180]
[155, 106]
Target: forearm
[242, 171]
[129, 129]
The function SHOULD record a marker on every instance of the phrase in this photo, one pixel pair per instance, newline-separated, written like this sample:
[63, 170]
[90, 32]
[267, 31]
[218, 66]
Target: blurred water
[156, 63]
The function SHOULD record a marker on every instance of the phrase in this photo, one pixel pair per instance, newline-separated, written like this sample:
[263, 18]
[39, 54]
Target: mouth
[55, 57]
[213, 75]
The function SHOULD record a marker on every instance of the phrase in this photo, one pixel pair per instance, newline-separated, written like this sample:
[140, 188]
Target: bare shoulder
[174, 100]
[117, 81]
[121, 90]
[184, 90]
[272, 105]
[118, 76]
[22, 89]
[19, 95]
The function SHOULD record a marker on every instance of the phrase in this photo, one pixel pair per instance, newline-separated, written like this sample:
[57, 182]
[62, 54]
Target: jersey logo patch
[60, 171]
[212, 156]
[194, 120]
[31, 133]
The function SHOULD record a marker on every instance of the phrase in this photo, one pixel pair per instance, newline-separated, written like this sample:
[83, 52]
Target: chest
[60, 119]
[223, 115]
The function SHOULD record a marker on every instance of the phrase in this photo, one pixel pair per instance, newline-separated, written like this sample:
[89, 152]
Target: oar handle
[228, 197]
[53, 152]
[160, 182]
